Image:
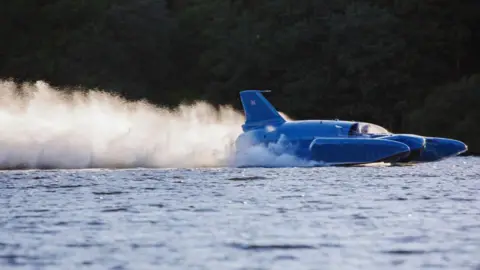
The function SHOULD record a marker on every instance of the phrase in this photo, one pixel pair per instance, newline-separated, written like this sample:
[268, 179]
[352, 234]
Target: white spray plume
[273, 155]
[49, 128]
[45, 127]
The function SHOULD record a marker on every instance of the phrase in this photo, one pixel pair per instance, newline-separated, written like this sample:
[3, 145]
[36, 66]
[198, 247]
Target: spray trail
[261, 156]
[44, 127]
[49, 128]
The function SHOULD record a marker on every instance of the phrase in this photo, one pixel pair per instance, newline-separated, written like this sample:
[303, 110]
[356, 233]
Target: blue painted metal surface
[334, 142]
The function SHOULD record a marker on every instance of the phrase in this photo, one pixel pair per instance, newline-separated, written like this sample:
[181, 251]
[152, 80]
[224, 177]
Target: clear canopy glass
[368, 128]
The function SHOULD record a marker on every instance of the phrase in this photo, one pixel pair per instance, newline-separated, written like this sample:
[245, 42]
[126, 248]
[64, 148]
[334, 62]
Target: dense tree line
[409, 65]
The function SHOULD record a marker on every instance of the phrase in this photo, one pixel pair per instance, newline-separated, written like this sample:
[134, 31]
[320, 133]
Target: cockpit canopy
[362, 128]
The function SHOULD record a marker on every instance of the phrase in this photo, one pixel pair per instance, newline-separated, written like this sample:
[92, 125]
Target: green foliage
[103, 43]
[451, 111]
[388, 62]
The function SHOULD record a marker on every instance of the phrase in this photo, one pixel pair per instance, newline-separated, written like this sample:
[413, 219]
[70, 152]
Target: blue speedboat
[335, 142]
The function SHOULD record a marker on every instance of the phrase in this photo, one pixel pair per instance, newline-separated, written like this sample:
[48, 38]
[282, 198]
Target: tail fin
[258, 110]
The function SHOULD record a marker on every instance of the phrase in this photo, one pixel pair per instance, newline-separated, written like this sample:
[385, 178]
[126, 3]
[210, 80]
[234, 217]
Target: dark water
[421, 217]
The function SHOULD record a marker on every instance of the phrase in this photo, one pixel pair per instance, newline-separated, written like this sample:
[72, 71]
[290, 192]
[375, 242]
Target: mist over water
[45, 127]
[272, 155]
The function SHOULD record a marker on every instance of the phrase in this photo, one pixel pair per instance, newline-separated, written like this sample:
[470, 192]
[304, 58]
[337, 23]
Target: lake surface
[413, 217]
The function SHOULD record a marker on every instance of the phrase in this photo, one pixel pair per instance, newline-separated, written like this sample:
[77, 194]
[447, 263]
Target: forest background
[411, 66]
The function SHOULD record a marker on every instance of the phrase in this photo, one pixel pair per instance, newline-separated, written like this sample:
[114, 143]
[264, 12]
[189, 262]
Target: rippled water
[414, 217]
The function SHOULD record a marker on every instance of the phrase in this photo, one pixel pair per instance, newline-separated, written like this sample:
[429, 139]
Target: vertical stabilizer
[258, 110]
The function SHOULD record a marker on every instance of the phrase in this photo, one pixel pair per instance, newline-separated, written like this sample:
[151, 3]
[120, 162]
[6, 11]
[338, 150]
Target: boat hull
[333, 142]
[346, 151]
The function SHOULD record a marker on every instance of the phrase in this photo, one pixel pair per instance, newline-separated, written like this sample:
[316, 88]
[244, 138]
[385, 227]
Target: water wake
[260, 156]
[277, 154]
[46, 127]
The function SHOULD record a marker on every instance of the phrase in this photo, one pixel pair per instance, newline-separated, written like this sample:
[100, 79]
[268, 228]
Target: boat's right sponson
[351, 151]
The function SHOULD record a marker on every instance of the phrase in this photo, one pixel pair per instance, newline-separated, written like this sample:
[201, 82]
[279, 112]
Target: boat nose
[458, 147]
[451, 147]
